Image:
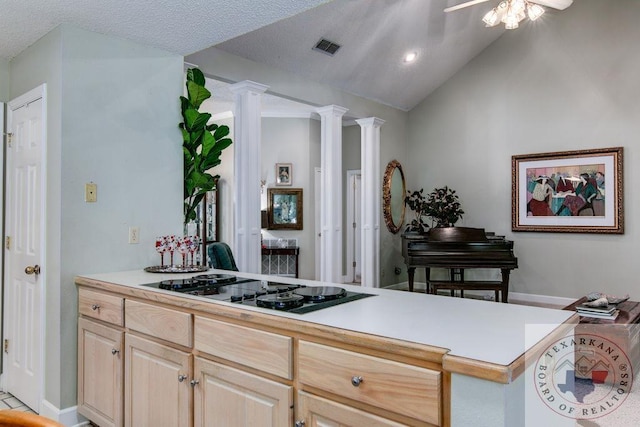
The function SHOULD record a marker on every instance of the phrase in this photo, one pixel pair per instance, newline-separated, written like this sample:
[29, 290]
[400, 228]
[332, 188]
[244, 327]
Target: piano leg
[411, 271]
[505, 284]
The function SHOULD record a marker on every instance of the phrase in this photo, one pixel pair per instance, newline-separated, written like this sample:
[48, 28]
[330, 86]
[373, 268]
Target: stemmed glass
[161, 248]
[172, 246]
[183, 248]
[194, 245]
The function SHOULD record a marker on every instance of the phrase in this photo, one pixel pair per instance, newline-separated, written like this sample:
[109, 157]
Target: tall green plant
[202, 144]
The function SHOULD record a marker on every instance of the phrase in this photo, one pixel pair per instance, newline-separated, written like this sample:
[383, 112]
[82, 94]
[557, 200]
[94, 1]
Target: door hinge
[6, 346]
[7, 242]
[9, 138]
[354, 264]
[354, 225]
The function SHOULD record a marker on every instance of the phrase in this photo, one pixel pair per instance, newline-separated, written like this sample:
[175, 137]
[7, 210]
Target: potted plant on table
[416, 201]
[442, 205]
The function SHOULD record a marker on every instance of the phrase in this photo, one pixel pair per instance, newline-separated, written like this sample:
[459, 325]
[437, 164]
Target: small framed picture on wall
[284, 174]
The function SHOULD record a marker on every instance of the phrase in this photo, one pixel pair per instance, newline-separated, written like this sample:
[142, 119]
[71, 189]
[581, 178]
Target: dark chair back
[221, 257]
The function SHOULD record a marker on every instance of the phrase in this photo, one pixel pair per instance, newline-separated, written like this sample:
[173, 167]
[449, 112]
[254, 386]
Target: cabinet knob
[182, 378]
[94, 307]
[356, 381]
[194, 383]
[300, 423]
[114, 351]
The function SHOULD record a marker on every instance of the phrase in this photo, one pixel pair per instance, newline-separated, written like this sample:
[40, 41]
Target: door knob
[35, 269]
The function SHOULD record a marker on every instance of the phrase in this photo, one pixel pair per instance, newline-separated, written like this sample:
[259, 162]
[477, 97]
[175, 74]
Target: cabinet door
[157, 384]
[318, 412]
[226, 396]
[100, 371]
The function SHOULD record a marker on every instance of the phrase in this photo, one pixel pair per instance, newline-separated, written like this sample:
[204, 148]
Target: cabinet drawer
[163, 323]
[394, 386]
[266, 351]
[98, 305]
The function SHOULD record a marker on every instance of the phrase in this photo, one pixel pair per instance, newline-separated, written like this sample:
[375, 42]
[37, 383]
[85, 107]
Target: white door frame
[39, 92]
[317, 185]
[353, 238]
[3, 139]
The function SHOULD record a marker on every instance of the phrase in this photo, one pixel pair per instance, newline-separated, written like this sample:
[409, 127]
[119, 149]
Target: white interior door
[354, 227]
[24, 286]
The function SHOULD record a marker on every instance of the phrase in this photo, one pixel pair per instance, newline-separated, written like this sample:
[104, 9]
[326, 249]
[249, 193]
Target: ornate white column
[331, 193]
[370, 202]
[247, 157]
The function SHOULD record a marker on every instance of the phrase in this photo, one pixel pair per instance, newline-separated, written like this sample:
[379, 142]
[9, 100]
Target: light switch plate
[90, 192]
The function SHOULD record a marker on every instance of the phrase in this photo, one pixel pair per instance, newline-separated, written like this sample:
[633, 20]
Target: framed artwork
[284, 209]
[568, 192]
[284, 174]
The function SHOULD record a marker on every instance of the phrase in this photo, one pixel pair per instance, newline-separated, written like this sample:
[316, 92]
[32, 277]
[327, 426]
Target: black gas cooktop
[273, 295]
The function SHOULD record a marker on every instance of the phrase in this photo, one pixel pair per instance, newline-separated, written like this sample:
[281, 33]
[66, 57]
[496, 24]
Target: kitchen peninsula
[150, 356]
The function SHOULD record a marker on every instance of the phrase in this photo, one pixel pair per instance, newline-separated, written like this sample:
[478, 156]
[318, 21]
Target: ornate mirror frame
[387, 184]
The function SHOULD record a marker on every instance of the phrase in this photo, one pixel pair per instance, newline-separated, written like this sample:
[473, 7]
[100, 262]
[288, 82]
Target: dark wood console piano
[457, 249]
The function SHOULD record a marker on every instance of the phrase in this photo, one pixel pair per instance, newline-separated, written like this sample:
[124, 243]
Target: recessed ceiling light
[410, 57]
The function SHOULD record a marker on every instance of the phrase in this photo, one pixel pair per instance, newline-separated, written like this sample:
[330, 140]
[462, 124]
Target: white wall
[291, 140]
[113, 112]
[568, 82]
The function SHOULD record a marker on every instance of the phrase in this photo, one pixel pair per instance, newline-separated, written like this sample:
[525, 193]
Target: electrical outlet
[134, 235]
[90, 192]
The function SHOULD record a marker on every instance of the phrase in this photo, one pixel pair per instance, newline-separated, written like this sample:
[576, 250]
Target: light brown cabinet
[397, 387]
[157, 384]
[225, 396]
[178, 362]
[314, 411]
[100, 373]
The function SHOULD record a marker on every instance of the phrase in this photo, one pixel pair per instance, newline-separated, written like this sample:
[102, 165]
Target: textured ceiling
[178, 26]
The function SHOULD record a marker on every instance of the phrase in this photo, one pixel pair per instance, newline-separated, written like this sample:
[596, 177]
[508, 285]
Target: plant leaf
[197, 94]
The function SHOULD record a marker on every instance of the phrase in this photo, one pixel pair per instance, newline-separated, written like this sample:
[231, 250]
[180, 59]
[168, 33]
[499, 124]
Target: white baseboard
[515, 297]
[68, 416]
[534, 299]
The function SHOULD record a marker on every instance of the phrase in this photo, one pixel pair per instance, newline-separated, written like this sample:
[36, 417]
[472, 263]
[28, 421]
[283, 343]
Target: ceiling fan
[511, 12]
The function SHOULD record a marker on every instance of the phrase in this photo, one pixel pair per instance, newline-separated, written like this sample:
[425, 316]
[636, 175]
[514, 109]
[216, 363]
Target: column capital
[335, 110]
[370, 121]
[248, 86]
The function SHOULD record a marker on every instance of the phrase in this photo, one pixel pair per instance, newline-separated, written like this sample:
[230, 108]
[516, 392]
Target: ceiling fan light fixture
[491, 18]
[534, 11]
[511, 23]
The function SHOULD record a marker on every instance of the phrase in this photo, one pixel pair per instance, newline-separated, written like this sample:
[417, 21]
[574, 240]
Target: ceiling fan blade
[467, 4]
[554, 4]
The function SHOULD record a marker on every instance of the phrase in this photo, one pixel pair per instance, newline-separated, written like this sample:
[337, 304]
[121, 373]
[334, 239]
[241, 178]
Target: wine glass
[194, 245]
[171, 245]
[183, 247]
[161, 248]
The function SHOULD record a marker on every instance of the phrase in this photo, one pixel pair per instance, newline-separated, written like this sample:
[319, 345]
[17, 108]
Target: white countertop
[481, 330]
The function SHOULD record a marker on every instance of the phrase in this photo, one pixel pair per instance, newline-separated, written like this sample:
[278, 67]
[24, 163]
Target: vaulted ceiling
[374, 36]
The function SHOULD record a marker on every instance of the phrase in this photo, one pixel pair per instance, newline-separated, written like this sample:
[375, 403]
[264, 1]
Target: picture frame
[578, 191]
[284, 209]
[284, 174]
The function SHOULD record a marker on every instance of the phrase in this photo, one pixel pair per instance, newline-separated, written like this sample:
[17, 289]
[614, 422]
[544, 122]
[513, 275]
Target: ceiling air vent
[327, 47]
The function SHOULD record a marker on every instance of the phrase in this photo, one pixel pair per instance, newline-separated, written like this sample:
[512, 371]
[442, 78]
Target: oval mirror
[393, 191]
